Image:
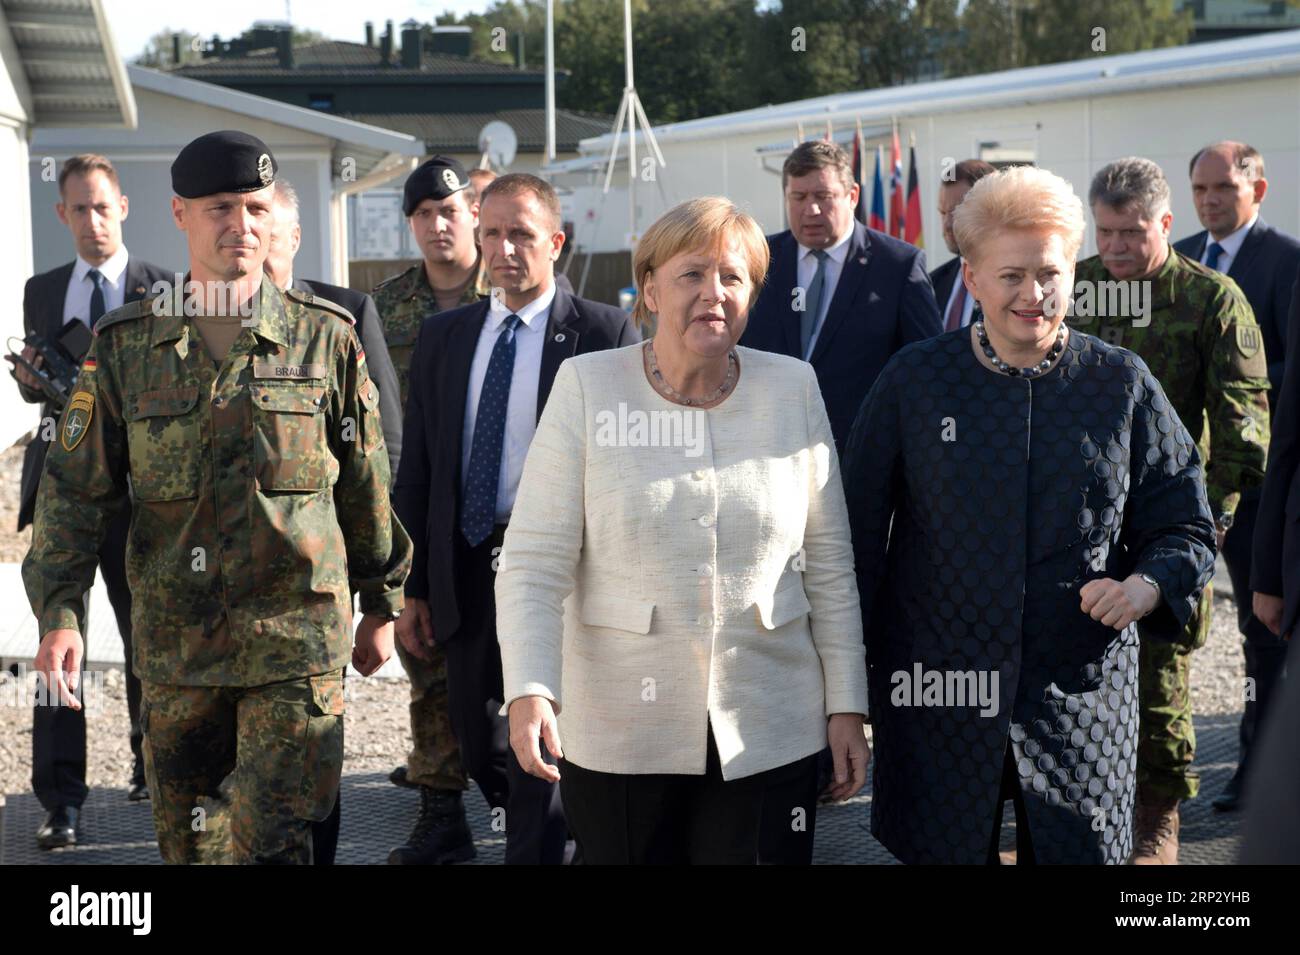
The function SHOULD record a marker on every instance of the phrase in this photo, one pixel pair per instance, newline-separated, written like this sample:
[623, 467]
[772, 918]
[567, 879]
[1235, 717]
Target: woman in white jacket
[676, 584]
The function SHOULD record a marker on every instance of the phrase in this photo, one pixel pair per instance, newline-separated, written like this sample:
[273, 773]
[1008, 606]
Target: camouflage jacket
[404, 302]
[259, 491]
[1201, 341]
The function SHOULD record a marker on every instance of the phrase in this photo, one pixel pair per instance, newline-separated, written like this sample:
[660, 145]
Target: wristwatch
[388, 617]
[1154, 583]
[1223, 523]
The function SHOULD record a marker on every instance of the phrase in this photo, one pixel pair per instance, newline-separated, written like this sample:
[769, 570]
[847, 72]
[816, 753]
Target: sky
[133, 22]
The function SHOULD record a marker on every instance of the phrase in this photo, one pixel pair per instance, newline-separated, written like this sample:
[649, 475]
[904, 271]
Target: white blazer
[707, 562]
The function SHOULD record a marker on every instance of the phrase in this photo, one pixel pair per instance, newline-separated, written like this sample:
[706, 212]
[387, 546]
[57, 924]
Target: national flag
[859, 210]
[912, 227]
[877, 218]
[896, 188]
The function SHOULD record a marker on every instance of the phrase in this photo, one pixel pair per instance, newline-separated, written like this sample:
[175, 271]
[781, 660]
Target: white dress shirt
[521, 408]
[807, 270]
[76, 303]
[1231, 246]
[968, 307]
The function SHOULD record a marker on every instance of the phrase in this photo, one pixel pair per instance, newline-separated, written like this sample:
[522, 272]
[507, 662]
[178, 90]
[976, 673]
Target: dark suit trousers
[1265, 652]
[59, 732]
[671, 819]
[534, 819]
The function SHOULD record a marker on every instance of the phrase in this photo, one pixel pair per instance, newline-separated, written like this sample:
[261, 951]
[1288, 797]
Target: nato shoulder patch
[76, 420]
[313, 301]
[131, 310]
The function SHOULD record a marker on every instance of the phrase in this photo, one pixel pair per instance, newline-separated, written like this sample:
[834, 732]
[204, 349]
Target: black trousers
[59, 732]
[534, 823]
[1011, 790]
[670, 819]
[789, 825]
[1265, 652]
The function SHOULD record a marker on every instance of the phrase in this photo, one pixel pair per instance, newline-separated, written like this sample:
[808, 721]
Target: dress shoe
[1230, 799]
[138, 790]
[1155, 830]
[59, 829]
[441, 834]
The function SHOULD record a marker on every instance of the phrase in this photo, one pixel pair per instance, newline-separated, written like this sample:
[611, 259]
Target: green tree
[158, 51]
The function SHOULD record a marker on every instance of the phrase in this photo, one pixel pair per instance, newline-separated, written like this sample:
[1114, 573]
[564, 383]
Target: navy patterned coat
[1006, 495]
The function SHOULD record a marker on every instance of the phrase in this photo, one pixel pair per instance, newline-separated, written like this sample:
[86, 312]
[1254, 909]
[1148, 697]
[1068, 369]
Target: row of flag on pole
[904, 216]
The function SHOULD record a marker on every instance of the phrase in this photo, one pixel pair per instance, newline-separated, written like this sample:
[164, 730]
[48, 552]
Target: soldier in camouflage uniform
[248, 439]
[1198, 335]
[442, 211]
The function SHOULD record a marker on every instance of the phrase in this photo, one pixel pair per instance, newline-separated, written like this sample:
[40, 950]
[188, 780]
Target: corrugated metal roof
[1243, 58]
[458, 132]
[332, 57]
[73, 72]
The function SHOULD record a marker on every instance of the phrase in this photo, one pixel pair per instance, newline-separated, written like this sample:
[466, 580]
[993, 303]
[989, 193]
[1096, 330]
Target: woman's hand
[1118, 604]
[532, 717]
[850, 753]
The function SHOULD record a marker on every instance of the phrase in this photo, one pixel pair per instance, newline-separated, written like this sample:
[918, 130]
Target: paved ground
[377, 816]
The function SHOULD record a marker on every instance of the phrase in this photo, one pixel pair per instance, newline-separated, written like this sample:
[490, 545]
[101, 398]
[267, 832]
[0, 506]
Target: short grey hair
[287, 196]
[1128, 182]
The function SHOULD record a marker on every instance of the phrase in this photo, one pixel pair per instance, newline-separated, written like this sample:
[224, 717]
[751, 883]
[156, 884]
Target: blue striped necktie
[479, 504]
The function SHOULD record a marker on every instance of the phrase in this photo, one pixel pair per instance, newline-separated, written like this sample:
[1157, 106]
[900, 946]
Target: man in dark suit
[1228, 186]
[104, 276]
[845, 298]
[286, 238]
[1275, 569]
[838, 294]
[479, 380]
[955, 304]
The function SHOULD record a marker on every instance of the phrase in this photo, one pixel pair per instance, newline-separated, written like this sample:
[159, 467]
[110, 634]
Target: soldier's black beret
[435, 178]
[224, 161]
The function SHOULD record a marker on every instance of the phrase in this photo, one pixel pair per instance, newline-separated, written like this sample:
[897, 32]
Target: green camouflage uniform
[403, 302]
[260, 505]
[1204, 347]
[406, 300]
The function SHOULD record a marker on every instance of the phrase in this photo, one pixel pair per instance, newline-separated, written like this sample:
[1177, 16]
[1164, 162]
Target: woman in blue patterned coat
[1044, 498]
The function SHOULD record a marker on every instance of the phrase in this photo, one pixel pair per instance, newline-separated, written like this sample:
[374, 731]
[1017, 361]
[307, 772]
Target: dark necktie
[1212, 255]
[96, 297]
[812, 304]
[479, 507]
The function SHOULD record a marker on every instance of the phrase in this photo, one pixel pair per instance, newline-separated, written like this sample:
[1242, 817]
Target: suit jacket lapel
[1250, 247]
[462, 339]
[783, 282]
[1198, 248]
[56, 293]
[561, 342]
[856, 261]
[136, 283]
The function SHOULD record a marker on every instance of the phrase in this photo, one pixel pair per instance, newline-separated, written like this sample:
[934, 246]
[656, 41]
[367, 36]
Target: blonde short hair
[710, 222]
[1023, 198]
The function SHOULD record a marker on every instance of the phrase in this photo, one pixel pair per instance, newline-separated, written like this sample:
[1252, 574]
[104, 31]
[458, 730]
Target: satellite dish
[498, 143]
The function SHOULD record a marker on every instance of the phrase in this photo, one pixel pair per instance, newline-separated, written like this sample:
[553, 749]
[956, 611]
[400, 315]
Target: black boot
[138, 790]
[441, 834]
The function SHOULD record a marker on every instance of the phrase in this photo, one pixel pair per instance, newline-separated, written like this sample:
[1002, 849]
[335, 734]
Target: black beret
[224, 161]
[435, 178]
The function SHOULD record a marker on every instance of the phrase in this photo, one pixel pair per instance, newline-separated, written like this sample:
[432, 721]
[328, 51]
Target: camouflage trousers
[434, 759]
[1166, 739]
[238, 774]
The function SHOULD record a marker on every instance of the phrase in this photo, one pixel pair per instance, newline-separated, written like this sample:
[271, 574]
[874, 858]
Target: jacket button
[706, 570]
[706, 520]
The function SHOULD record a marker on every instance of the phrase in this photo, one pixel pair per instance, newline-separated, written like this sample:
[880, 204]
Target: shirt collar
[112, 269]
[1233, 241]
[540, 306]
[838, 252]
